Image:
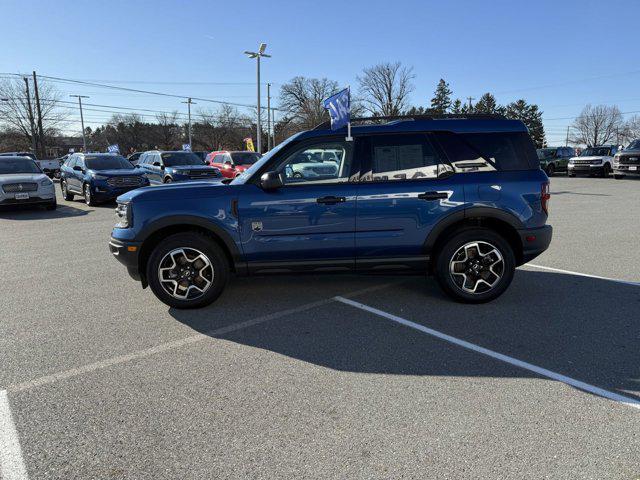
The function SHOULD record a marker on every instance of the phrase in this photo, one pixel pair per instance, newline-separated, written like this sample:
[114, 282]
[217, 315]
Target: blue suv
[463, 199]
[98, 177]
[166, 167]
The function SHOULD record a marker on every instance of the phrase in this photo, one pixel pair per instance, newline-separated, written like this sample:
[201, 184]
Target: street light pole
[257, 55]
[84, 137]
[189, 103]
[268, 116]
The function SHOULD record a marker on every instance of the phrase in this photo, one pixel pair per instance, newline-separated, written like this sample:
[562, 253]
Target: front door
[309, 223]
[407, 188]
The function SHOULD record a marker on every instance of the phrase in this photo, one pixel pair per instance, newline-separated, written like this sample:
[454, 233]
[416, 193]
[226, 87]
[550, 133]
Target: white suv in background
[593, 161]
[22, 182]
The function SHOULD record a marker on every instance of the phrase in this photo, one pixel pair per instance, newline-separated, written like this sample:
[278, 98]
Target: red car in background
[231, 164]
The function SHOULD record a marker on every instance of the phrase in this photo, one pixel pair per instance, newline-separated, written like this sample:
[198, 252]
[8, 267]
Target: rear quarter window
[503, 151]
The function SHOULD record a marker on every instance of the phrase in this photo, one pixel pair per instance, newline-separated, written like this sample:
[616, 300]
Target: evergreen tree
[487, 104]
[457, 107]
[531, 116]
[416, 111]
[441, 101]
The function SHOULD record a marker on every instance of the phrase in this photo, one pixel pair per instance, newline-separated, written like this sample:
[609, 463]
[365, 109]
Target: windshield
[18, 165]
[546, 153]
[248, 173]
[596, 152]
[635, 145]
[173, 159]
[107, 163]
[245, 158]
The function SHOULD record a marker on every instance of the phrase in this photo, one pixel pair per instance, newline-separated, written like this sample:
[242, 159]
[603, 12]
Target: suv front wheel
[475, 266]
[187, 270]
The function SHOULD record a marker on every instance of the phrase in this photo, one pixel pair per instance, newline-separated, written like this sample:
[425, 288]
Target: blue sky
[561, 55]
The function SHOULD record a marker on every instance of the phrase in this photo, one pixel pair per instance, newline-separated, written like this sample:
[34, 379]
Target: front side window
[321, 163]
[401, 157]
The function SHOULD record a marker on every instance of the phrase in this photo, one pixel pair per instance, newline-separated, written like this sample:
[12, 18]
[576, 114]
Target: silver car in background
[22, 182]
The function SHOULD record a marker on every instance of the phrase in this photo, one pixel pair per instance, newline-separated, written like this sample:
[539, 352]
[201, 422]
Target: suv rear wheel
[187, 270]
[475, 266]
[550, 170]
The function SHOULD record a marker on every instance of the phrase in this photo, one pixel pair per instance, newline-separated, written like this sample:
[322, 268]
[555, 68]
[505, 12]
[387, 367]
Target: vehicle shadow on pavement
[584, 328]
[27, 212]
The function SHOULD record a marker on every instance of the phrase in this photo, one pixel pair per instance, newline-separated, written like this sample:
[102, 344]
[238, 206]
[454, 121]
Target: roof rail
[447, 116]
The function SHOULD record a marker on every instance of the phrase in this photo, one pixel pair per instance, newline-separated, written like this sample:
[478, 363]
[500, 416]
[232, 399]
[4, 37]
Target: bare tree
[301, 100]
[15, 115]
[597, 125]
[630, 130]
[168, 130]
[385, 88]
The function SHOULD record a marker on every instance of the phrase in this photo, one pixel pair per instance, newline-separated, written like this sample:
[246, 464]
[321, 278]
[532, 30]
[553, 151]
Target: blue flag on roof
[113, 149]
[339, 107]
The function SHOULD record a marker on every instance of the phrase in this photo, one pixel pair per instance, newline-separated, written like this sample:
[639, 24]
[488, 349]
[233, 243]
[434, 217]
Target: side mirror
[271, 181]
[156, 164]
[77, 168]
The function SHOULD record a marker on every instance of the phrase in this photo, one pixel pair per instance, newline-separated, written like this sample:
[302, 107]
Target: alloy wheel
[476, 267]
[185, 273]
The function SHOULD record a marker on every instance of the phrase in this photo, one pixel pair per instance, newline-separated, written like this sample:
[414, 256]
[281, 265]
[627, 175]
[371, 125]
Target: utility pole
[38, 109]
[189, 103]
[84, 137]
[268, 116]
[257, 55]
[470, 98]
[566, 142]
[32, 123]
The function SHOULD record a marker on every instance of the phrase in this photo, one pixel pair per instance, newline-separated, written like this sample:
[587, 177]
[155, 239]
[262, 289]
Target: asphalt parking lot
[279, 379]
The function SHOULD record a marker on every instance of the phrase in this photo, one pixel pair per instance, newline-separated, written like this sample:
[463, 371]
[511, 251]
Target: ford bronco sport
[461, 198]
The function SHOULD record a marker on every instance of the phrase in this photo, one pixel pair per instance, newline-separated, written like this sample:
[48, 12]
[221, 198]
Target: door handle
[331, 200]
[433, 195]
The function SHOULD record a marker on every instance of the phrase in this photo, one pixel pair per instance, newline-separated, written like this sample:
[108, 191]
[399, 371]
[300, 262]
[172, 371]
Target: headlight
[123, 215]
[46, 182]
[571, 162]
[99, 177]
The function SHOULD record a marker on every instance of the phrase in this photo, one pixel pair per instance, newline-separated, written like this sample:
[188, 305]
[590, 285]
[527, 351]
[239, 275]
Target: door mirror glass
[77, 168]
[157, 164]
[271, 181]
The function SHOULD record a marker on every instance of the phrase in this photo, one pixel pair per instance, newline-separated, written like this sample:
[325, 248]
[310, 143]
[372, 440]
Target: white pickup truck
[50, 167]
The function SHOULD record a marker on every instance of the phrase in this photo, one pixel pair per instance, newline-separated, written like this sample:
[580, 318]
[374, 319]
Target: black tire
[606, 170]
[88, 197]
[571, 174]
[189, 240]
[68, 196]
[618, 177]
[167, 180]
[52, 206]
[445, 256]
[550, 170]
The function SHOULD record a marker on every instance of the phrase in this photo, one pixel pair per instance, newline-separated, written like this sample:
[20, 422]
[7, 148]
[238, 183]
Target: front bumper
[534, 241]
[585, 169]
[106, 194]
[35, 198]
[624, 170]
[128, 254]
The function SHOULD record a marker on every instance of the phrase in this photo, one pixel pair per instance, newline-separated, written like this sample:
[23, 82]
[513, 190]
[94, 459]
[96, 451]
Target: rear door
[309, 223]
[407, 188]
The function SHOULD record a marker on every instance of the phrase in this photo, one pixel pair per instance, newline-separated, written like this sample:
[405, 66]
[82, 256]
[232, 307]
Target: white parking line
[569, 272]
[11, 462]
[183, 342]
[630, 402]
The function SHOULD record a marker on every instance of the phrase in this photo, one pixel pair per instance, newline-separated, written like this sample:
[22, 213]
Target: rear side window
[489, 151]
[400, 157]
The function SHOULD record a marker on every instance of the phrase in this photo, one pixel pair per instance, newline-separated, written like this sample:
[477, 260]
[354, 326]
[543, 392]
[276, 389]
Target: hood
[177, 190]
[118, 172]
[180, 168]
[630, 153]
[22, 177]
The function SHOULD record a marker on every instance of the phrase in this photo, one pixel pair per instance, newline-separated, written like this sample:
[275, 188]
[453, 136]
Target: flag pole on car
[339, 108]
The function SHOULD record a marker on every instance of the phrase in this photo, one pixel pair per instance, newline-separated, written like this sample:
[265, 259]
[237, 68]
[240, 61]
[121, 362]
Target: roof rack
[447, 116]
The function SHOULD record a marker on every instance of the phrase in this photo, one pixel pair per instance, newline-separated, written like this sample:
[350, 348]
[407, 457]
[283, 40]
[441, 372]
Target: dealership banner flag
[339, 107]
[113, 149]
[186, 147]
[249, 142]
